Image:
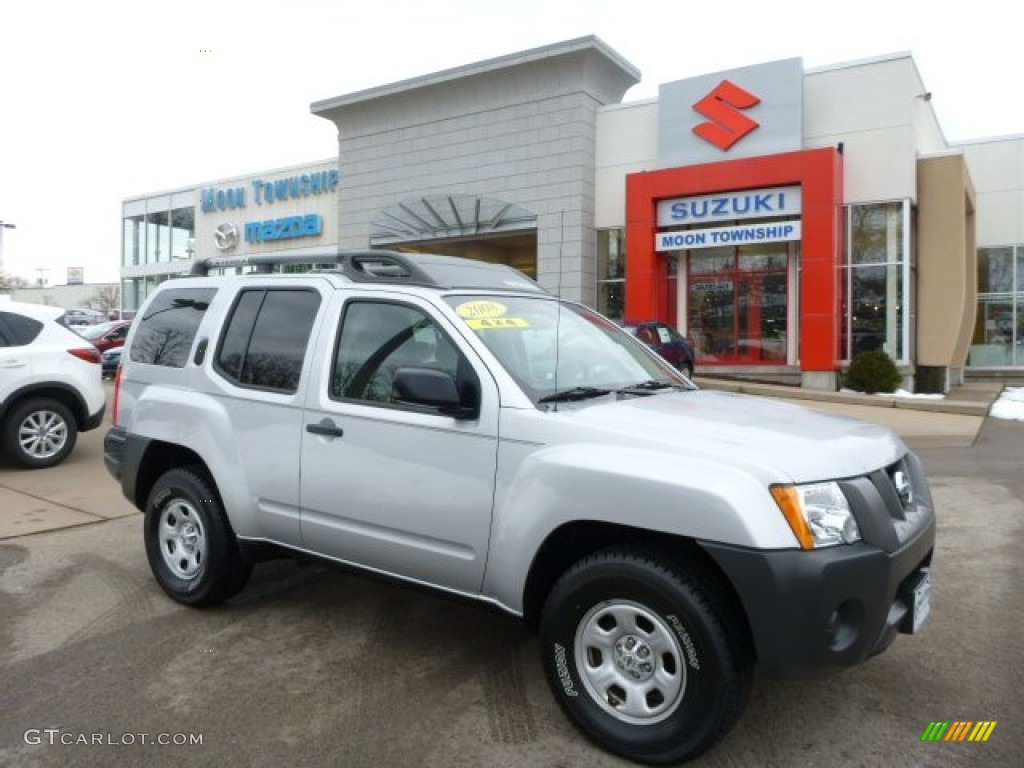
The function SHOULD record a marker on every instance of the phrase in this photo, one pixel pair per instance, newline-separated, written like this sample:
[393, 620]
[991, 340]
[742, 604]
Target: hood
[777, 441]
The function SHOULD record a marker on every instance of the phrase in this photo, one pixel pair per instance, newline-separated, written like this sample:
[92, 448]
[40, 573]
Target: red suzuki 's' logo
[722, 107]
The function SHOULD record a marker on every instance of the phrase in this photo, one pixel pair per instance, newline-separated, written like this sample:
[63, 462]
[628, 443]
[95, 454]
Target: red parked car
[106, 336]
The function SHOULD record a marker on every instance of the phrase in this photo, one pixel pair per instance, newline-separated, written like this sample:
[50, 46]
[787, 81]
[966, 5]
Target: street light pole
[3, 225]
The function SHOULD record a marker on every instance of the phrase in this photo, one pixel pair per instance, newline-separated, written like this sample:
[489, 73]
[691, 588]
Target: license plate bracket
[917, 593]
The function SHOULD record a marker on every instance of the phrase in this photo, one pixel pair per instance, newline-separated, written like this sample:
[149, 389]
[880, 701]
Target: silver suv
[449, 423]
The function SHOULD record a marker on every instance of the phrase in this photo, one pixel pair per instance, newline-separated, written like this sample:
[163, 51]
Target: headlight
[818, 513]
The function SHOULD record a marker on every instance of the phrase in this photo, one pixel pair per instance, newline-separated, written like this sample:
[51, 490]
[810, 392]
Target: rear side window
[17, 330]
[265, 339]
[168, 327]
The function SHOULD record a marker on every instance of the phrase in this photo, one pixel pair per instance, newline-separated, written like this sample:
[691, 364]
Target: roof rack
[379, 266]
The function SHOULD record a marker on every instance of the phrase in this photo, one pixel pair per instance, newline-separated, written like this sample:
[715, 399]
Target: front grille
[903, 493]
[891, 504]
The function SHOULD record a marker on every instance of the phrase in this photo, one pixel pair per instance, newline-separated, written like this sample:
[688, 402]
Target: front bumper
[814, 611]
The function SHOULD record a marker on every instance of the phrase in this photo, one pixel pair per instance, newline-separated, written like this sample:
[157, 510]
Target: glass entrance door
[737, 299]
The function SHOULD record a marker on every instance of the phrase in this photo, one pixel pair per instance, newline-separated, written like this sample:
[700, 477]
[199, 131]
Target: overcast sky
[103, 100]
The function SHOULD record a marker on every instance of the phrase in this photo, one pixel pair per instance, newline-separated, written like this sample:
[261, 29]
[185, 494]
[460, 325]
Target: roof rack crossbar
[394, 267]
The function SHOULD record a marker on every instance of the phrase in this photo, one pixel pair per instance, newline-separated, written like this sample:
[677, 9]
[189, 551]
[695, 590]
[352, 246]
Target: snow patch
[1010, 405]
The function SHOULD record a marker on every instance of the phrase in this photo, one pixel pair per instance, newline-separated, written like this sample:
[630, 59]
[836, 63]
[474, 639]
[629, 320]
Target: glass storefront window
[998, 340]
[995, 270]
[875, 289]
[711, 260]
[158, 237]
[1018, 339]
[183, 230]
[876, 316]
[134, 240]
[611, 273]
[130, 294]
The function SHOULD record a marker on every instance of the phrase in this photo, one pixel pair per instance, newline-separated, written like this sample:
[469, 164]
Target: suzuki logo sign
[731, 114]
[727, 124]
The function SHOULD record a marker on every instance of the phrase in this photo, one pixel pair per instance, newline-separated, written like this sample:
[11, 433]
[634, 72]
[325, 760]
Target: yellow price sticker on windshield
[487, 323]
[473, 309]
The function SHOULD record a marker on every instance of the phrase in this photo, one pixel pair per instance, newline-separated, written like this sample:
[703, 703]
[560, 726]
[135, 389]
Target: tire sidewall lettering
[159, 499]
[561, 658]
[689, 647]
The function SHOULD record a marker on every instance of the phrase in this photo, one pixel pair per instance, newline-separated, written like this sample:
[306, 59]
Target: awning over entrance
[446, 217]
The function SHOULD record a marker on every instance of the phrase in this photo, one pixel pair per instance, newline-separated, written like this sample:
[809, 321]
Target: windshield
[593, 354]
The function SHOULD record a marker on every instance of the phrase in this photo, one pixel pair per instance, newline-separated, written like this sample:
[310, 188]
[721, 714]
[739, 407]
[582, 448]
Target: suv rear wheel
[191, 548]
[39, 433]
[647, 658]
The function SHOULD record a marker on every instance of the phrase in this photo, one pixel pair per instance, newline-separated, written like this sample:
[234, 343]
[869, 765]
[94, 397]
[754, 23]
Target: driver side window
[376, 339]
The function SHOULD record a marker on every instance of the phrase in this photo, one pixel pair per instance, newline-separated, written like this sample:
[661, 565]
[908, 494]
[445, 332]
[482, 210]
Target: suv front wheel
[39, 433]
[191, 548]
[646, 656]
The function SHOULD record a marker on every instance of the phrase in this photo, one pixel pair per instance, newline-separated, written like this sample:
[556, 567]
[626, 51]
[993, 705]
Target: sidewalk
[922, 422]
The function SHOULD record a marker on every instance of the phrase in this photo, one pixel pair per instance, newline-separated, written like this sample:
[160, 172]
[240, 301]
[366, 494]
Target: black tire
[676, 663]
[191, 548]
[39, 433]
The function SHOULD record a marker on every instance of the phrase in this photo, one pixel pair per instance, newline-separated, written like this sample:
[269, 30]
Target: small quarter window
[17, 330]
[169, 325]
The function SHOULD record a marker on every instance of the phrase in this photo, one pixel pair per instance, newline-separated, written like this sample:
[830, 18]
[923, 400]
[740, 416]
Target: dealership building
[783, 218]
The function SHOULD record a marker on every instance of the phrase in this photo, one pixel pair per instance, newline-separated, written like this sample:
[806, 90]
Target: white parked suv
[449, 423]
[50, 385]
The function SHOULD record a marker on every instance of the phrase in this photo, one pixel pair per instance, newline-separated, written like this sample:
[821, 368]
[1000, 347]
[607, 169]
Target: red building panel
[819, 172]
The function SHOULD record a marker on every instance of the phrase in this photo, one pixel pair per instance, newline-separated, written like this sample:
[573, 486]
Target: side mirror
[431, 388]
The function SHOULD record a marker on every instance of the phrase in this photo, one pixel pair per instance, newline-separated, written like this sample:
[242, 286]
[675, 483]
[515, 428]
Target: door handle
[12, 364]
[326, 428]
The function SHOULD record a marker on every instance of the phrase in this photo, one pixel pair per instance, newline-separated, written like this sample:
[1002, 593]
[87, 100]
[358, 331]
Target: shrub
[873, 372]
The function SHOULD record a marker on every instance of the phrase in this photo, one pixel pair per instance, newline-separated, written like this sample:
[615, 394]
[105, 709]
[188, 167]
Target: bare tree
[10, 282]
[106, 298]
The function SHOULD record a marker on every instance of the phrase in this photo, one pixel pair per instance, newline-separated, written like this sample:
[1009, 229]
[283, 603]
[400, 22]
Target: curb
[959, 407]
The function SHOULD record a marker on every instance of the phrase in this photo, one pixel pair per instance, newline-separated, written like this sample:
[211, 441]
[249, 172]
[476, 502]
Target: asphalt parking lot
[315, 666]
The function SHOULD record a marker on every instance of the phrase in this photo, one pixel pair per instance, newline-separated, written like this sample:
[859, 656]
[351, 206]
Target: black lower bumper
[93, 421]
[113, 451]
[815, 611]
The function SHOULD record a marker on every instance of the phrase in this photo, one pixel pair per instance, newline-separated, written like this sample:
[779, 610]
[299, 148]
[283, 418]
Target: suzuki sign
[728, 206]
[743, 112]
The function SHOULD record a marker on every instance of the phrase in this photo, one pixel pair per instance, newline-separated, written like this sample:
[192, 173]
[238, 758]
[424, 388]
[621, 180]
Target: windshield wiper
[648, 387]
[576, 393]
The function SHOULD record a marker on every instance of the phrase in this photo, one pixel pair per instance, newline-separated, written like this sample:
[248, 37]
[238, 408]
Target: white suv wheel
[39, 433]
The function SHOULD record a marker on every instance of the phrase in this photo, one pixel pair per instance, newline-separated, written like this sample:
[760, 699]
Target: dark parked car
[667, 342]
[111, 359]
[106, 336]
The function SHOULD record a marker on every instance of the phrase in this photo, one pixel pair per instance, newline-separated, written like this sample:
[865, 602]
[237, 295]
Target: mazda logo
[225, 237]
